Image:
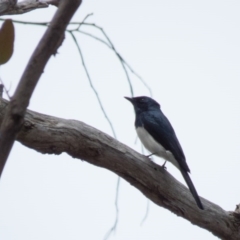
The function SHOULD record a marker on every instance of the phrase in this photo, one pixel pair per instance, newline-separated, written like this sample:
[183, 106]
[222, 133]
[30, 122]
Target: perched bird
[158, 136]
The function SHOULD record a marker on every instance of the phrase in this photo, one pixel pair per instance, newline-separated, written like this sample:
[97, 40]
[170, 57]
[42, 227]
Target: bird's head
[143, 103]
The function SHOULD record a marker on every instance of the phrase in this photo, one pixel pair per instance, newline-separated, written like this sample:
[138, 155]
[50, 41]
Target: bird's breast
[154, 147]
[149, 142]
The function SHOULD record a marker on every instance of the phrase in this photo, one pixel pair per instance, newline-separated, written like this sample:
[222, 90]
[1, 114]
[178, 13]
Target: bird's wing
[162, 131]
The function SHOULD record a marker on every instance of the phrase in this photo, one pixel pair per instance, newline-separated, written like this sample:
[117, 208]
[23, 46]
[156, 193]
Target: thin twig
[4, 88]
[108, 44]
[95, 37]
[86, 17]
[146, 213]
[114, 227]
[91, 84]
[28, 23]
[114, 49]
[111, 46]
[123, 62]
[139, 77]
[128, 78]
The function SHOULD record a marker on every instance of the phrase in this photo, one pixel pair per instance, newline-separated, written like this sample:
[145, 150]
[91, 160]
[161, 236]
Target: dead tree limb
[47, 134]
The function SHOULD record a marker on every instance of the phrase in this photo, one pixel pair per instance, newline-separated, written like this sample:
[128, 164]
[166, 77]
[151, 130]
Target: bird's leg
[148, 156]
[163, 166]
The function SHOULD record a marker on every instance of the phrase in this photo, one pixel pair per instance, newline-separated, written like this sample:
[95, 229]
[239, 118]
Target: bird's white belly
[154, 147]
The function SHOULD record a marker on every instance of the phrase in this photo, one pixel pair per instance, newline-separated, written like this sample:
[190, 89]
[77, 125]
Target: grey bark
[47, 134]
[10, 7]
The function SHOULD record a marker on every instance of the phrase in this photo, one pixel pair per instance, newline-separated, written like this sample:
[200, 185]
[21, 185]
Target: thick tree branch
[10, 7]
[53, 135]
[47, 46]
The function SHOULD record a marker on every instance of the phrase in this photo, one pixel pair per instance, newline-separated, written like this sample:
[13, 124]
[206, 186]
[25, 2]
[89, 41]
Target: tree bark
[12, 7]
[47, 134]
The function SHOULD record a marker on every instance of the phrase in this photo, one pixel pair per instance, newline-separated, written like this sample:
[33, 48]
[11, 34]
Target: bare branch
[53, 135]
[12, 7]
[4, 88]
[146, 213]
[106, 42]
[87, 16]
[110, 44]
[28, 23]
[114, 227]
[47, 46]
[91, 84]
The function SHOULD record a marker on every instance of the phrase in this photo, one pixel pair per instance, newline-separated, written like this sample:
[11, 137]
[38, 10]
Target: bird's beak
[129, 99]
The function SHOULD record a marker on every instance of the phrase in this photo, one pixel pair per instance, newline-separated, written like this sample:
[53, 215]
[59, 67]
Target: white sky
[189, 54]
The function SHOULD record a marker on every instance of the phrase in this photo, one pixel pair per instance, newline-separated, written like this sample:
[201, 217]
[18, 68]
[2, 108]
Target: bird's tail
[192, 188]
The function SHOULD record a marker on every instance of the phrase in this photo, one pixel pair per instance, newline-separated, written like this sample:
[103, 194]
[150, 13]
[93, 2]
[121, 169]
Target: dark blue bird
[158, 136]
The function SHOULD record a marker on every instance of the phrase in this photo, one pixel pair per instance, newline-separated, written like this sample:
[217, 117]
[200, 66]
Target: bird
[159, 138]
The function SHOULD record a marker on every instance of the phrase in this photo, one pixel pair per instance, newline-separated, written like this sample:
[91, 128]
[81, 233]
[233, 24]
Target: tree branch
[47, 134]
[47, 46]
[1, 90]
[11, 7]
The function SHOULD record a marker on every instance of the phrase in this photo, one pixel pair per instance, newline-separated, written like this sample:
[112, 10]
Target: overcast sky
[188, 52]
